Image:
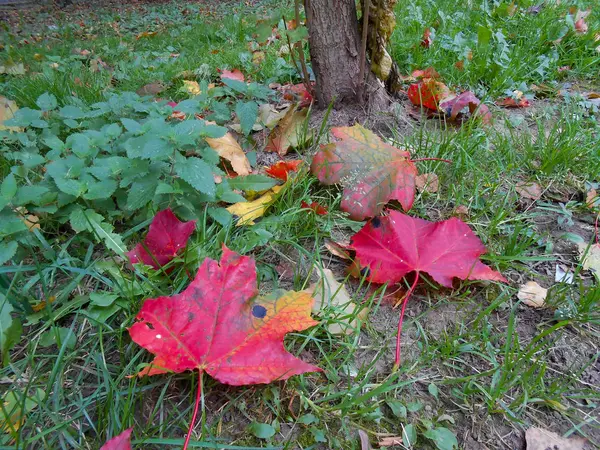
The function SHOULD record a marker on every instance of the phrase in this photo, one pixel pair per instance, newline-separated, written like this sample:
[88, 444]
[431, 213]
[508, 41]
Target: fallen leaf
[314, 206]
[281, 169]
[289, 133]
[166, 238]
[7, 111]
[258, 57]
[150, 89]
[120, 442]
[220, 326]
[427, 39]
[581, 26]
[428, 93]
[541, 439]
[461, 211]
[329, 293]
[248, 212]
[228, 148]
[13, 69]
[427, 182]
[15, 409]
[452, 106]
[592, 200]
[430, 72]
[391, 441]
[396, 244]
[297, 93]
[563, 275]
[371, 171]
[338, 249]
[532, 294]
[529, 190]
[590, 258]
[390, 247]
[511, 102]
[234, 74]
[146, 34]
[269, 116]
[191, 87]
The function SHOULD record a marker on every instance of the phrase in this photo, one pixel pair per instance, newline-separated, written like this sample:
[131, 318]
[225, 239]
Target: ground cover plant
[174, 201]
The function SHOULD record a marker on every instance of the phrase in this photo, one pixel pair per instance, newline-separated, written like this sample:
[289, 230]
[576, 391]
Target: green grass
[485, 354]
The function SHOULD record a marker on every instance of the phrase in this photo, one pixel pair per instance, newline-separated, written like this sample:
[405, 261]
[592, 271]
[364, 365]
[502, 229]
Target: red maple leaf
[510, 102]
[392, 246]
[167, 237]
[220, 326]
[120, 442]
[316, 207]
[372, 171]
[282, 168]
[234, 74]
[297, 93]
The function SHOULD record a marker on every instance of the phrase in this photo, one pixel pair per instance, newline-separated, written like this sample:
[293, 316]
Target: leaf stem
[432, 159]
[406, 297]
[196, 404]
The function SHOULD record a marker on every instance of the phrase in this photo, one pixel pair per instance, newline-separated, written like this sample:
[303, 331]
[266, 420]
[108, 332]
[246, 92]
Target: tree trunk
[334, 49]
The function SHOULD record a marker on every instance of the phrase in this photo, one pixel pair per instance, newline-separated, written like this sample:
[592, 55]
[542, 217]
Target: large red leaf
[394, 245]
[371, 171]
[220, 326]
[120, 442]
[167, 236]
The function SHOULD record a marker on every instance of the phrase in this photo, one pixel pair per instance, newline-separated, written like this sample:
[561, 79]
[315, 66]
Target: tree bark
[334, 49]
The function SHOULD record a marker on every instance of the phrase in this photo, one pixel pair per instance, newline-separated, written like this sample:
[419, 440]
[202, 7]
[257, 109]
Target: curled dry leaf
[461, 211]
[281, 169]
[428, 93]
[248, 212]
[289, 133]
[329, 293]
[532, 294]
[166, 238]
[151, 89]
[528, 189]
[120, 442]
[390, 441]
[338, 249]
[372, 171]
[541, 439]
[452, 106]
[228, 148]
[219, 325]
[427, 182]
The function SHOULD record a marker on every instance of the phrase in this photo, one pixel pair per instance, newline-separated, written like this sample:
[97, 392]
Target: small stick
[363, 51]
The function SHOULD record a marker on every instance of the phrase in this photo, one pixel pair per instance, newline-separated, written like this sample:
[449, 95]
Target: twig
[398, 337]
[198, 396]
[363, 51]
[305, 75]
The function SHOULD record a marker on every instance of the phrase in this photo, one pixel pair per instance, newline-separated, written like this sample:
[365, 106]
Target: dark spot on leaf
[365, 272]
[149, 325]
[376, 222]
[259, 311]
[190, 316]
[351, 242]
[235, 217]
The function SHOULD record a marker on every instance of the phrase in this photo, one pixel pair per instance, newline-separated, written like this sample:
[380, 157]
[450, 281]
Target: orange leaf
[282, 168]
[234, 74]
[428, 93]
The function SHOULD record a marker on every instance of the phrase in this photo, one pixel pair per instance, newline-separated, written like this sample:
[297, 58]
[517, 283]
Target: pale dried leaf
[427, 182]
[590, 258]
[532, 294]
[541, 439]
[529, 190]
[7, 111]
[228, 148]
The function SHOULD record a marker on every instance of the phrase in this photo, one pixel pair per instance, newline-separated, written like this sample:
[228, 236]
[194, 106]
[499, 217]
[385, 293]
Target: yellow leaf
[15, 408]
[228, 148]
[248, 212]
[329, 293]
[191, 87]
[7, 111]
